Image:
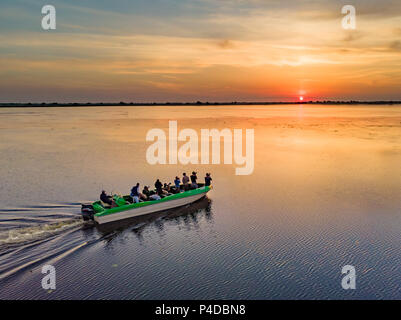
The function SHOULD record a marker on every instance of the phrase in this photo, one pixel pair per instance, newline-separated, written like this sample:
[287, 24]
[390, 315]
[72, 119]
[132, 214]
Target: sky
[207, 50]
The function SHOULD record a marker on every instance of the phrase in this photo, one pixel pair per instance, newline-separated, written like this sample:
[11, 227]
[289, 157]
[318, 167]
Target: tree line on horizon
[199, 103]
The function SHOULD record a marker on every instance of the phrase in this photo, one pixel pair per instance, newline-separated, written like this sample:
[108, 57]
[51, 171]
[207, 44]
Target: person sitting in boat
[159, 187]
[185, 181]
[154, 197]
[146, 192]
[107, 199]
[169, 189]
[208, 180]
[135, 193]
[194, 185]
[166, 187]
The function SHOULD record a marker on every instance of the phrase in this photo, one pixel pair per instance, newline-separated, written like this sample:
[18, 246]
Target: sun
[301, 98]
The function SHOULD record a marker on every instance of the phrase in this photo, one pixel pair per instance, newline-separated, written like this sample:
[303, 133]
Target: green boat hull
[129, 210]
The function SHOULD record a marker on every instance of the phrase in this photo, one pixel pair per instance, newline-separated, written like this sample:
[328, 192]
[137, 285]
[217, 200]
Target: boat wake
[29, 236]
[44, 234]
[26, 235]
[27, 224]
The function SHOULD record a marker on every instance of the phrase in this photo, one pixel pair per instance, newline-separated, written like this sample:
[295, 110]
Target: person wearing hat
[194, 185]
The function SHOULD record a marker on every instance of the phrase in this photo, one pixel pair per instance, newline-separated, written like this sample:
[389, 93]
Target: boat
[102, 213]
[138, 224]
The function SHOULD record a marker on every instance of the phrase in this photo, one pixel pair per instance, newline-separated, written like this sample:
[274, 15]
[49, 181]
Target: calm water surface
[325, 192]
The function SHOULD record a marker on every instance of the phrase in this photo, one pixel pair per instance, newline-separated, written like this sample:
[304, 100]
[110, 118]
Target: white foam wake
[37, 232]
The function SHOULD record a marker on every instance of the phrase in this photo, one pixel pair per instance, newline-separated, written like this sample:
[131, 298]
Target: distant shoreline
[198, 103]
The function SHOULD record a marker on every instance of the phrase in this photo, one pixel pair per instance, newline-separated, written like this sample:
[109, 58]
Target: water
[325, 193]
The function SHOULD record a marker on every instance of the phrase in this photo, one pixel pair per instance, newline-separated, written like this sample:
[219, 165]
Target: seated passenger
[107, 199]
[135, 193]
[146, 192]
[167, 188]
[154, 197]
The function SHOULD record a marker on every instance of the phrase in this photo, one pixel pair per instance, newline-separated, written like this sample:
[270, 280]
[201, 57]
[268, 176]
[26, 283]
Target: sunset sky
[208, 50]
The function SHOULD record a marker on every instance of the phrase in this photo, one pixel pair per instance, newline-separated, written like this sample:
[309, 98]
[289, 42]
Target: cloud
[353, 36]
[184, 48]
[226, 44]
[395, 45]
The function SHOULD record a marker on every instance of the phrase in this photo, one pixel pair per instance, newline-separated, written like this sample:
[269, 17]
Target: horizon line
[197, 103]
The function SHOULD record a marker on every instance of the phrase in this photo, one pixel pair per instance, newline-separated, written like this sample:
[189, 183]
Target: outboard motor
[87, 212]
